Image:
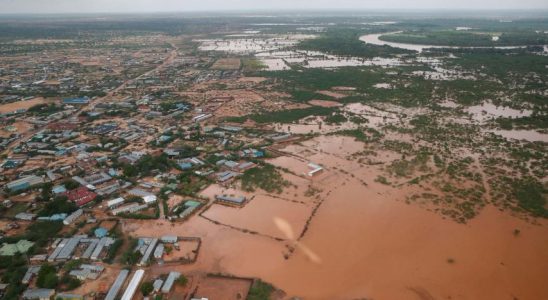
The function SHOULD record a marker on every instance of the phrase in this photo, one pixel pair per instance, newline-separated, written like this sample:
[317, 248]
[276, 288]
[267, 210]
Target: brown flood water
[367, 243]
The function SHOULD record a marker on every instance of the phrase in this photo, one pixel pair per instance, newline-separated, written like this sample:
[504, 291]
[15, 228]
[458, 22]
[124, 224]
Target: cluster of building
[79, 247]
[114, 134]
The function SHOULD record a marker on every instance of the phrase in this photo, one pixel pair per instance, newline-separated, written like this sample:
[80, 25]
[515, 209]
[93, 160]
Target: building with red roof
[81, 196]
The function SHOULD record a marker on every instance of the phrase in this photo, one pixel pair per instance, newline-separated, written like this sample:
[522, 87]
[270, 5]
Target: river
[375, 40]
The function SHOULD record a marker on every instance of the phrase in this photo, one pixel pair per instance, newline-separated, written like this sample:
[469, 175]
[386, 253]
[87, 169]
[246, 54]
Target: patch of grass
[252, 64]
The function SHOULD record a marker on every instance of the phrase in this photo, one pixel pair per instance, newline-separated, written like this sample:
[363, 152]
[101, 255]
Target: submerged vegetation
[266, 177]
[468, 38]
[345, 42]
[284, 116]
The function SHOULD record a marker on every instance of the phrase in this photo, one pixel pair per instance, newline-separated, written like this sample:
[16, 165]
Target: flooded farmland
[369, 241]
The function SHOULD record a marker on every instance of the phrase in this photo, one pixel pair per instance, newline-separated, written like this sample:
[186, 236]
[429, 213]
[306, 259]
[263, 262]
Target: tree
[47, 277]
[130, 171]
[71, 184]
[147, 288]
[182, 280]
[58, 205]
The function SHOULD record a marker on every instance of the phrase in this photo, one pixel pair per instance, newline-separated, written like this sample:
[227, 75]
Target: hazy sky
[88, 6]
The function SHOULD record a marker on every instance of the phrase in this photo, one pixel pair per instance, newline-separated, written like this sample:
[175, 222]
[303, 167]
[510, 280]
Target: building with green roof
[21, 246]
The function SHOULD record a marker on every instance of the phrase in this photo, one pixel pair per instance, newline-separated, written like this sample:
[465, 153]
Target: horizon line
[286, 10]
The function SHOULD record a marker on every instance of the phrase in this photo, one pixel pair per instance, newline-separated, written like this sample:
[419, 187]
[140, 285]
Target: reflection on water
[375, 40]
[528, 135]
[488, 111]
[286, 229]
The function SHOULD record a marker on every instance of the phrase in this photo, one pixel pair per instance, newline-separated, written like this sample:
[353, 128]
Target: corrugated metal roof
[169, 281]
[117, 285]
[133, 284]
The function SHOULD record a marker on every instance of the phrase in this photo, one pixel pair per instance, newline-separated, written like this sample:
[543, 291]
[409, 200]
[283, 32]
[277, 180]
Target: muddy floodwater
[527, 135]
[363, 240]
[488, 111]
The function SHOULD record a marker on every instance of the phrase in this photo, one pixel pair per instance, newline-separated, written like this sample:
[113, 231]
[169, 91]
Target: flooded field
[313, 126]
[258, 215]
[527, 135]
[274, 64]
[324, 103]
[252, 45]
[487, 111]
[316, 59]
[219, 288]
[369, 242]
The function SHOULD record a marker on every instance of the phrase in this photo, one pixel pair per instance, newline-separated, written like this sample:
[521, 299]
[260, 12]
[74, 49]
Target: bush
[182, 280]
[147, 288]
[266, 178]
[530, 196]
[113, 250]
[260, 291]
[47, 277]
[70, 283]
[57, 206]
[39, 232]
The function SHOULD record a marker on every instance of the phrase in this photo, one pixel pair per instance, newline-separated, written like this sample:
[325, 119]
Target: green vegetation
[18, 207]
[71, 265]
[531, 196]
[13, 269]
[336, 118]
[260, 290]
[70, 283]
[305, 96]
[382, 180]
[57, 206]
[265, 177]
[182, 280]
[346, 42]
[71, 184]
[532, 122]
[322, 79]
[476, 38]
[40, 231]
[146, 288]
[47, 277]
[252, 65]
[113, 250]
[147, 164]
[365, 135]
[44, 109]
[505, 65]
[130, 257]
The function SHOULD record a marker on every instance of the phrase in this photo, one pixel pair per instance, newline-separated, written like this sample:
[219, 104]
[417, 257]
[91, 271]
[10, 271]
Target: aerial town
[286, 157]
